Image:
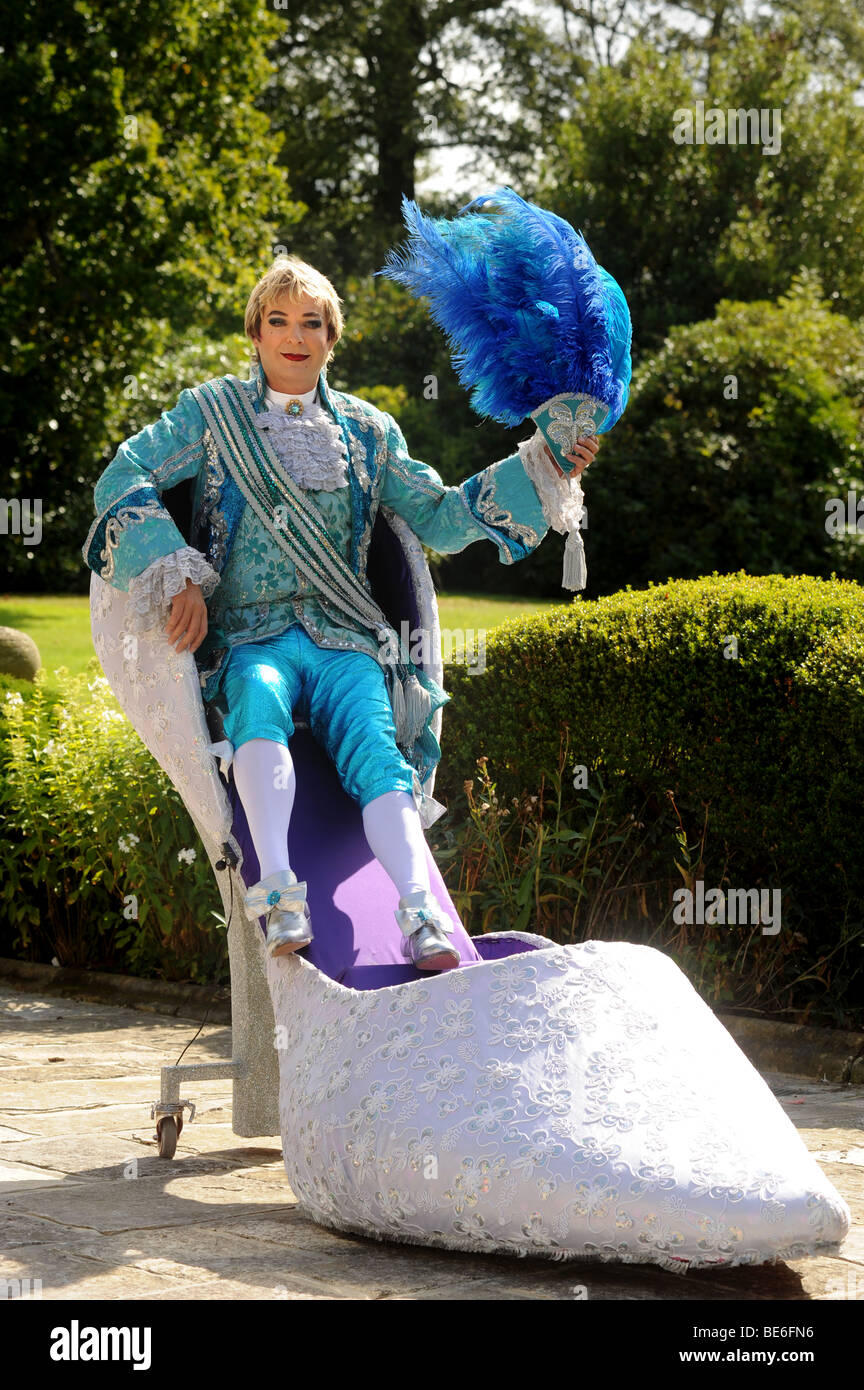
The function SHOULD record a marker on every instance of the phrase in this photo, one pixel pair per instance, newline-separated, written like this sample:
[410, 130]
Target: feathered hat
[536, 327]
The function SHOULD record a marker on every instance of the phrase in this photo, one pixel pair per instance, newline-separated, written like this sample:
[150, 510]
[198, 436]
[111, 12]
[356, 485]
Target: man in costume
[272, 596]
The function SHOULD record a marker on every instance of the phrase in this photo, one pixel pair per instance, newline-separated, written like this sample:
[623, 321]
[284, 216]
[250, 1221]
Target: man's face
[293, 344]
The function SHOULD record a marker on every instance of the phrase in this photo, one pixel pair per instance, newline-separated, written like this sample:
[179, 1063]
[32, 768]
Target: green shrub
[19, 655]
[740, 429]
[103, 866]
[752, 758]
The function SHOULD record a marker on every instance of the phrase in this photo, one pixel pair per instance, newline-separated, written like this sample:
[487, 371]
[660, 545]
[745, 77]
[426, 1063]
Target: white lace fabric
[310, 446]
[151, 592]
[159, 691]
[562, 500]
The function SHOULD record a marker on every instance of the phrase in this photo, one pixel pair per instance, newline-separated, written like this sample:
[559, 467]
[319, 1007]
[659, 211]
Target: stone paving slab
[185, 1198]
[89, 1208]
[8, 1134]
[98, 1117]
[295, 1289]
[22, 1177]
[68, 1274]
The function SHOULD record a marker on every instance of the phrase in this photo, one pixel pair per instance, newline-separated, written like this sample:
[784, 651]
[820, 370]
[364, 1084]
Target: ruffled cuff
[562, 500]
[150, 593]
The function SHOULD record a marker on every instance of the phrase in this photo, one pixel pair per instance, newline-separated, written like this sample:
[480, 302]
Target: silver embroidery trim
[118, 524]
[208, 513]
[497, 517]
[178, 460]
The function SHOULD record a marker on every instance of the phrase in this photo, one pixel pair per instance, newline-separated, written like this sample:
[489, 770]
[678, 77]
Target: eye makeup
[277, 320]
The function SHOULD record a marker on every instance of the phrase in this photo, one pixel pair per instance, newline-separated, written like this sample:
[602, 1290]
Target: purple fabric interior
[351, 898]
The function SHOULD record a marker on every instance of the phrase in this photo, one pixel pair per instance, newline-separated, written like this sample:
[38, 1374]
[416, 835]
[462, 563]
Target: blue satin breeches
[342, 694]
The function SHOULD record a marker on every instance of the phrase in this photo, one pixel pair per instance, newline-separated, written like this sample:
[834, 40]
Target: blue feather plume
[526, 309]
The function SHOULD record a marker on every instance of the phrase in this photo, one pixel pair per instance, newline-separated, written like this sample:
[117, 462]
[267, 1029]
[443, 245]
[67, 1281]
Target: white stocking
[395, 837]
[266, 783]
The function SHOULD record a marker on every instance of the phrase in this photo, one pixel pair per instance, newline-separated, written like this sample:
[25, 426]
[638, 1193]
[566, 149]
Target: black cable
[229, 860]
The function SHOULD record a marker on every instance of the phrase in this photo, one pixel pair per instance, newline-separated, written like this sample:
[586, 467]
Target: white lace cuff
[562, 500]
[151, 592]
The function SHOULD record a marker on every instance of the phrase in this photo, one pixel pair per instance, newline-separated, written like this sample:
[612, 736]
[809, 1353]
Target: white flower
[126, 844]
[186, 854]
[14, 700]
[112, 716]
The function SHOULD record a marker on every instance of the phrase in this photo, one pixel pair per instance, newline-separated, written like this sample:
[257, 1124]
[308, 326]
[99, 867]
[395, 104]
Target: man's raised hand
[582, 455]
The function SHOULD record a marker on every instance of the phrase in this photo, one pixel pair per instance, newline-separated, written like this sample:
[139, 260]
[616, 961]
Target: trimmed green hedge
[741, 696]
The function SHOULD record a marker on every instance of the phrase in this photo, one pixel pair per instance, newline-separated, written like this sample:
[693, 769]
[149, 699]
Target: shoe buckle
[287, 899]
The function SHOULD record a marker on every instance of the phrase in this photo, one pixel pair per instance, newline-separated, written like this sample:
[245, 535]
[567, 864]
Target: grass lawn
[60, 626]
[487, 610]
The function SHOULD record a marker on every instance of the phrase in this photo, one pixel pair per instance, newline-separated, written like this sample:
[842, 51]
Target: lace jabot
[310, 447]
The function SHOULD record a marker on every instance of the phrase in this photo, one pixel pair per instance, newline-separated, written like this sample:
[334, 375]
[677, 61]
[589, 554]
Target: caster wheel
[167, 1133]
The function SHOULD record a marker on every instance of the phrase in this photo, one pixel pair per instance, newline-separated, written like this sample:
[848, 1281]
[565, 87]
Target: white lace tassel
[575, 574]
[561, 500]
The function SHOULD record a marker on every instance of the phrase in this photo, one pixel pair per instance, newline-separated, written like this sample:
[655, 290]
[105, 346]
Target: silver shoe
[289, 926]
[425, 927]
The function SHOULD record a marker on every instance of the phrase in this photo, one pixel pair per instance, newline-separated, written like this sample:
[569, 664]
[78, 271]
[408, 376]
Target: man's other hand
[187, 624]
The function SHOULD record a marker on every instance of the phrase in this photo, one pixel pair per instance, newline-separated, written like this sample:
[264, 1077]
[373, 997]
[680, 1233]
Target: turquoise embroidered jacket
[260, 593]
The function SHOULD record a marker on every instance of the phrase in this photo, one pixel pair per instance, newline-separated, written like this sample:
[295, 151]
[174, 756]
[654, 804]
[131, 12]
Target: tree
[740, 430]
[831, 36]
[366, 92]
[141, 198]
[683, 225]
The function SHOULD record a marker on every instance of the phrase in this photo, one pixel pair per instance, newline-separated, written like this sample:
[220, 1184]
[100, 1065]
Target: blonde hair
[290, 276]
